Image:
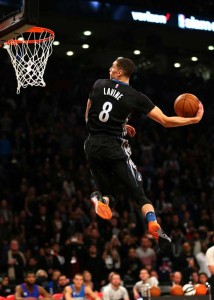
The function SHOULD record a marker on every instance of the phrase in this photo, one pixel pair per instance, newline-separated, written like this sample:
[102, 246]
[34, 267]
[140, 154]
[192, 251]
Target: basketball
[189, 289]
[155, 291]
[186, 105]
[200, 289]
[176, 290]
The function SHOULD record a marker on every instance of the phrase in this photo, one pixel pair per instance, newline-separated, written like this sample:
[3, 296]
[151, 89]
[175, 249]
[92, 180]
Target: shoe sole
[103, 210]
[164, 245]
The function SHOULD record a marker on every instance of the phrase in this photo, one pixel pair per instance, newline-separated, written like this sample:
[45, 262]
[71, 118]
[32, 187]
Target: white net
[29, 54]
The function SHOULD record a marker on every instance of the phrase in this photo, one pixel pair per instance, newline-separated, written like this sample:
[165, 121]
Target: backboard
[17, 16]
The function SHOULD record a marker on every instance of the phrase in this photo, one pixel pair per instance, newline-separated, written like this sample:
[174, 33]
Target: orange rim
[33, 30]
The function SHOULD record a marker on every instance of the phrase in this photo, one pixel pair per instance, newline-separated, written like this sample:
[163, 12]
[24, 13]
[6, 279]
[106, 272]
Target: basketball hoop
[29, 54]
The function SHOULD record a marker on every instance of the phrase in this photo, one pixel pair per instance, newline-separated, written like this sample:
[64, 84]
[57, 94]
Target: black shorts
[110, 163]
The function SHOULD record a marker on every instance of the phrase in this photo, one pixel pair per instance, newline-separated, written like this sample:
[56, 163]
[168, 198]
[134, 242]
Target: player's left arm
[130, 130]
[87, 110]
[92, 294]
[45, 295]
[157, 115]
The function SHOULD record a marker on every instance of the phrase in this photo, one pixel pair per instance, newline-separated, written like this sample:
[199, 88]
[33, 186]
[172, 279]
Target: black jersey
[112, 103]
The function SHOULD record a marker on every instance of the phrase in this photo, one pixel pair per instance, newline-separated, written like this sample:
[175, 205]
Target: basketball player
[78, 291]
[108, 110]
[29, 289]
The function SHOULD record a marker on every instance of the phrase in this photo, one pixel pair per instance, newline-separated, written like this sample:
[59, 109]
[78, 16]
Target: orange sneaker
[101, 206]
[153, 229]
[164, 241]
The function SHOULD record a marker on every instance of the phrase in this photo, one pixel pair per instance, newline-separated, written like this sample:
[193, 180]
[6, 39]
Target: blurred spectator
[128, 241]
[131, 266]
[51, 261]
[6, 212]
[141, 288]
[41, 278]
[56, 252]
[111, 255]
[5, 232]
[145, 253]
[94, 259]
[16, 262]
[176, 278]
[186, 262]
[194, 279]
[201, 259]
[202, 278]
[93, 238]
[154, 273]
[51, 285]
[177, 241]
[165, 265]
[6, 287]
[32, 264]
[42, 225]
[62, 282]
[74, 253]
[57, 224]
[114, 291]
[18, 229]
[87, 278]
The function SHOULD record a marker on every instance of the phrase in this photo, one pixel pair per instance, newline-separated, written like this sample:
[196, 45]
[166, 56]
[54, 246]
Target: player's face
[62, 280]
[114, 71]
[115, 280]
[30, 279]
[78, 281]
[144, 275]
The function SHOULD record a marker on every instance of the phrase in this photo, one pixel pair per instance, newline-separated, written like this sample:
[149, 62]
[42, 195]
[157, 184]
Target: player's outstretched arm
[157, 115]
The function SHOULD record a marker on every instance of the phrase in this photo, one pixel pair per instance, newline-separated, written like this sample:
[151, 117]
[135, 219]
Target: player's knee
[141, 201]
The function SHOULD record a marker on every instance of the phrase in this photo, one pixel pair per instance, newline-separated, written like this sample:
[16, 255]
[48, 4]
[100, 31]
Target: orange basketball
[186, 105]
[200, 289]
[176, 290]
[155, 291]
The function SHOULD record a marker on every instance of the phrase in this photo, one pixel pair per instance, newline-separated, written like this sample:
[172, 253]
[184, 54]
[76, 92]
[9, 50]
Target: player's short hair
[78, 274]
[29, 273]
[126, 65]
[114, 274]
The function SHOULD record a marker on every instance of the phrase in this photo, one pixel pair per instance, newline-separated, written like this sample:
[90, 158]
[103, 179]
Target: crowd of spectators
[47, 222]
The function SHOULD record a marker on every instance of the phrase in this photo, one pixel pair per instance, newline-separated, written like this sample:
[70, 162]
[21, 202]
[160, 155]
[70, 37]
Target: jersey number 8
[104, 114]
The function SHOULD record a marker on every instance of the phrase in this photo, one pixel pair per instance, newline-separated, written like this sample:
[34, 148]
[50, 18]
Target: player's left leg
[127, 173]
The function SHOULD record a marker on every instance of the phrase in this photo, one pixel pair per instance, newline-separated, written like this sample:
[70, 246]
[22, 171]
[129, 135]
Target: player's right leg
[101, 205]
[101, 172]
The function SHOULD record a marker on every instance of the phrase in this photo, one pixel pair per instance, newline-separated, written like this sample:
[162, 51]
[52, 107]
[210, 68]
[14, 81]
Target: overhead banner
[194, 23]
[110, 11]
